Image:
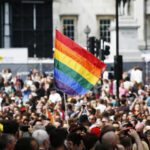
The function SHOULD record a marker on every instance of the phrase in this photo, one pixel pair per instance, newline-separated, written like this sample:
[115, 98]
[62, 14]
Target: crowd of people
[35, 115]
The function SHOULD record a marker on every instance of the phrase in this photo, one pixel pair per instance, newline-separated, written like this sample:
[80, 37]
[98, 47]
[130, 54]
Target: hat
[96, 131]
[23, 109]
[146, 129]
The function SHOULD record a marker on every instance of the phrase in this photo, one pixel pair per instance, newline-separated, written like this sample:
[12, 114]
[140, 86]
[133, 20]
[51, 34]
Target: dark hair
[58, 137]
[10, 126]
[76, 127]
[69, 106]
[89, 140]
[125, 140]
[25, 144]
[50, 128]
[4, 140]
[75, 138]
[106, 129]
[117, 116]
[100, 147]
[147, 123]
[83, 119]
[21, 82]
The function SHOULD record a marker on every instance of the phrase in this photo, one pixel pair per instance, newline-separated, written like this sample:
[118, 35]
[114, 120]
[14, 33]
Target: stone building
[27, 23]
[32, 24]
[72, 16]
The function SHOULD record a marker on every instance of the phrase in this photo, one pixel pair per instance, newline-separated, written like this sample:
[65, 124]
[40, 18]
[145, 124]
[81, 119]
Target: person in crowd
[57, 139]
[148, 101]
[7, 142]
[32, 111]
[42, 137]
[90, 141]
[74, 141]
[27, 143]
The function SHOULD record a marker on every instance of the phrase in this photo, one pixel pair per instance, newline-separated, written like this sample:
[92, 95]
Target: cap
[96, 131]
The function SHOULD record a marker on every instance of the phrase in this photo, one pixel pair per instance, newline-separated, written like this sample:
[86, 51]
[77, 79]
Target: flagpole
[65, 107]
[74, 76]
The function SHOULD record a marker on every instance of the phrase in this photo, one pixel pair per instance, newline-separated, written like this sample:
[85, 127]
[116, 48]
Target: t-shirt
[148, 101]
[55, 97]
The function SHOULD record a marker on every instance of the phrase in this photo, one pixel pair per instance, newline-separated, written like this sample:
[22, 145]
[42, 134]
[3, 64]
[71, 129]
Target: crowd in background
[34, 115]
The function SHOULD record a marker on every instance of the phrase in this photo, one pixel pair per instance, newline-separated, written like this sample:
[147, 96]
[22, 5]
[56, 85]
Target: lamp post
[87, 31]
[117, 29]
[117, 47]
[118, 58]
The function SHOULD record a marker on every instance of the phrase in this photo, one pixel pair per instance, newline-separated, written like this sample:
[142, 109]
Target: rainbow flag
[76, 70]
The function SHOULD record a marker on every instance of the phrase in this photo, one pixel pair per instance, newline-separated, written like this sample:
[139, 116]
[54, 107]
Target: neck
[42, 148]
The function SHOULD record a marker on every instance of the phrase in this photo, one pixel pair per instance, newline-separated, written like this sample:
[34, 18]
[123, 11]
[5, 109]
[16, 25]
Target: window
[104, 23]
[32, 28]
[148, 29]
[104, 29]
[69, 27]
[1, 24]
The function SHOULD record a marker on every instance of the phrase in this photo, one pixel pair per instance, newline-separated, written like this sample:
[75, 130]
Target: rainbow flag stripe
[76, 70]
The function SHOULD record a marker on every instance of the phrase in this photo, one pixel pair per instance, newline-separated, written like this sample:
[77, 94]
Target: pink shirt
[122, 91]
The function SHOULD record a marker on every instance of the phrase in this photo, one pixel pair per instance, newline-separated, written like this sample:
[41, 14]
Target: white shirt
[101, 107]
[127, 85]
[55, 97]
[136, 75]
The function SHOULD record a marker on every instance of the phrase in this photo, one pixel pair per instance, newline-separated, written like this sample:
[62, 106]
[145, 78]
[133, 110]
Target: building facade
[72, 16]
[27, 23]
[31, 23]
